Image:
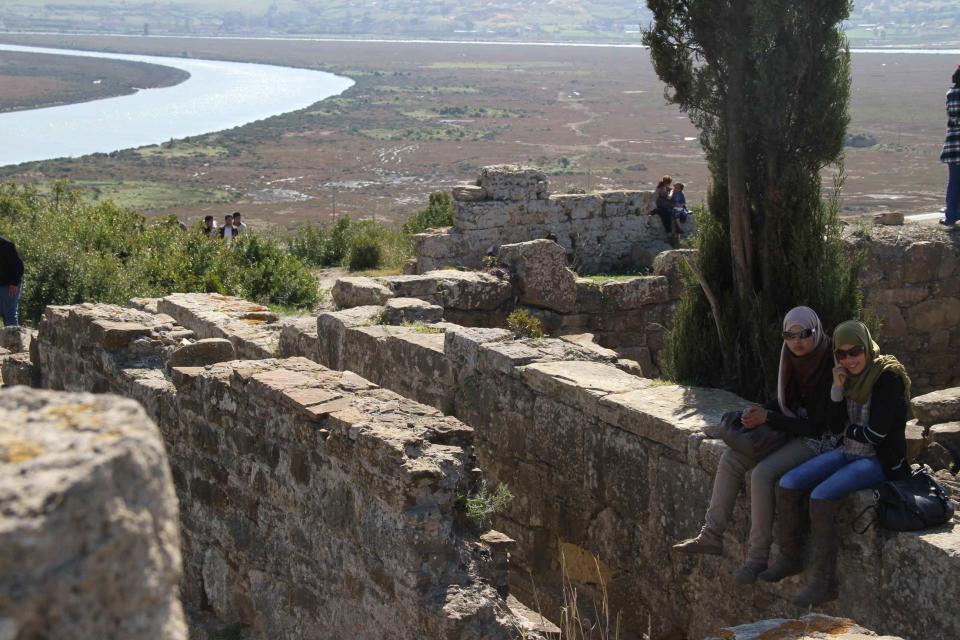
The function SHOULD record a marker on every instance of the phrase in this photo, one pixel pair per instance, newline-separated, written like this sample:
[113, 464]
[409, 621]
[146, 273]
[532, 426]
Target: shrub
[364, 247]
[439, 213]
[480, 505]
[524, 325]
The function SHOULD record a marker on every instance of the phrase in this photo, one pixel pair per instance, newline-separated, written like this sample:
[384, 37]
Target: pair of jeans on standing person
[8, 305]
[834, 474]
[952, 213]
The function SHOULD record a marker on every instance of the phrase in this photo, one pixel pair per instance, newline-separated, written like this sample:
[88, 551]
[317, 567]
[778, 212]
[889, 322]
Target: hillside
[878, 22]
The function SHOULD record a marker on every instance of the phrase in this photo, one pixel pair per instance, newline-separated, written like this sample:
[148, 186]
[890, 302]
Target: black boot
[789, 525]
[825, 541]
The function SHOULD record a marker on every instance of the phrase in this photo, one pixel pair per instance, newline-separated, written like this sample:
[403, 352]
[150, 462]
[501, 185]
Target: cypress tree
[767, 83]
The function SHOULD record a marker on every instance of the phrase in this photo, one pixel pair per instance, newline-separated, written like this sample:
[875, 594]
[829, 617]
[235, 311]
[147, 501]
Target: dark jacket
[11, 264]
[887, 428]
[816, 404]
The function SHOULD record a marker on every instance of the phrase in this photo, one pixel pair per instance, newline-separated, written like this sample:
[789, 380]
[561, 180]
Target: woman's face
[799, 346]
[852, 363]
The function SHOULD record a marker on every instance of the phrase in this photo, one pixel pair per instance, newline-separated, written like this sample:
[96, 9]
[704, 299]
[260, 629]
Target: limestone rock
[937, 406]
[18, 369]
[637, 292]
[409, 310]
[585, 341]
[809, 627]
[916, 441]
[948, 435]
[937, 457]
[471, 290]
[469, 193]
[671, 265]
[359, 291]
[89, 539]
[203, 352]
[512, 182]
[890, 218]
[540, 269]
[16, 339]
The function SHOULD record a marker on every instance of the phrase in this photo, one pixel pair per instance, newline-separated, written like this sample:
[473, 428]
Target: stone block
[812, 625]
[921, 262]
[636, 292]
[892, 324]
[90, 543]
[580, 384]
[916, 440]
[540, 270]
[411, 310]
[423, 286]
[903, 296]
[16, 339]
[937, 457]
[471, 290]
[481, 215]
[114, 336]
[937, 406]
[203, 352]
[932, 315]
[512, 182]
[889, 218]
[672, 264]
[463, 344]
[947, 434]
[359, 291]
[468, 193]
[586, 342]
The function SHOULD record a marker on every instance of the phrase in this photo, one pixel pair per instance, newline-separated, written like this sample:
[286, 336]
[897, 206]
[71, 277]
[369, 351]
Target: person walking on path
[800, 409]
[869, 400]
[11, 281]
[951, 153]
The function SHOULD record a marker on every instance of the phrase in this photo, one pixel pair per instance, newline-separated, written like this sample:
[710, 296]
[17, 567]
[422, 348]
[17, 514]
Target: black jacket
[816, 403]
[11, 264]
[887, 428]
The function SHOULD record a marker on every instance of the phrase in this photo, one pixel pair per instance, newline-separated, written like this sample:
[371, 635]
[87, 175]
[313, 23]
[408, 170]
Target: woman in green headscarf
[869, 400]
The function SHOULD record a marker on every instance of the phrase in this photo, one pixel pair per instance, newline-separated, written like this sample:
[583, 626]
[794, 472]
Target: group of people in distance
[233, 226]
[846, 406]
[671, 205]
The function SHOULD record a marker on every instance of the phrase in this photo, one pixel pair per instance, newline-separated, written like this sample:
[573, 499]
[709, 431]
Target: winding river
[218, 95]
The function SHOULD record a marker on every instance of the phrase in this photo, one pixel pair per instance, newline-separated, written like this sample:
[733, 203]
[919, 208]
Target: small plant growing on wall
[481, 504]
[524, 325]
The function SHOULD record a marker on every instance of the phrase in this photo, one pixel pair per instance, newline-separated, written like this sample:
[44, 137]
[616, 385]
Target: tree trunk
[739, 206]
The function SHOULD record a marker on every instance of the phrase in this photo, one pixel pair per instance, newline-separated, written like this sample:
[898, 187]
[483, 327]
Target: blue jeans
[952, 213]
[834, 474]
[8, 305]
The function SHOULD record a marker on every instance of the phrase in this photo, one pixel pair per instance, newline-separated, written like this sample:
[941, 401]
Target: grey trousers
[763, 479]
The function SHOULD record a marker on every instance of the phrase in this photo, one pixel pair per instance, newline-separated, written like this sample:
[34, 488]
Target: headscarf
[801, 372]
[858, 387]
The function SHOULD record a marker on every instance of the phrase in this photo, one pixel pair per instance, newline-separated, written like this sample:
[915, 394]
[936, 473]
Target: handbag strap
[853, 525]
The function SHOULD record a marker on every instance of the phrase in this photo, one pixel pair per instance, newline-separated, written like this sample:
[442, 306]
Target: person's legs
[814, 471]
[763, 481]
[726, 485]
[8, 306]
[952, 213]
[858, 473]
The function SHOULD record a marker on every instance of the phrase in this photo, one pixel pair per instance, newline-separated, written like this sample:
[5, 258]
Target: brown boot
[707, 541]
[789, 525]
[825, 541]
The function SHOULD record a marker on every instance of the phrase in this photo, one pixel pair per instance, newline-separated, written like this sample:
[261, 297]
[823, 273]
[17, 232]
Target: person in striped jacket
[951, 153]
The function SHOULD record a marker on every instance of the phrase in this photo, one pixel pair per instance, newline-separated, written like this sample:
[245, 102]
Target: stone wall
[601, 232]
[89, 542]
[610, 465]
[312, 502]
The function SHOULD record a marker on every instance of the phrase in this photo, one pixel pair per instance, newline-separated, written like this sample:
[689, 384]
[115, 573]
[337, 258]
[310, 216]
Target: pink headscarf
[801, 372]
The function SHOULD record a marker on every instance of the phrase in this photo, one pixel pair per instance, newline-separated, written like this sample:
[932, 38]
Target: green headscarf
[858, 387]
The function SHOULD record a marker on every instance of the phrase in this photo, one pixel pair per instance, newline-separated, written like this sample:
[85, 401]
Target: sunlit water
[218, 95]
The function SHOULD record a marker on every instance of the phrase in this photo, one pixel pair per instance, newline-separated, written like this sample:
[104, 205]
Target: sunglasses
[852, 352]
[797, 335]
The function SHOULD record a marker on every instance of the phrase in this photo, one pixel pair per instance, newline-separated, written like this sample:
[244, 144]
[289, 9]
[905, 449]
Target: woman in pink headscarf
[801, 409]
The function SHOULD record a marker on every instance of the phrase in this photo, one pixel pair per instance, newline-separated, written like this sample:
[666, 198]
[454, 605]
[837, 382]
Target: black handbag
[756, 443]
[911, 504]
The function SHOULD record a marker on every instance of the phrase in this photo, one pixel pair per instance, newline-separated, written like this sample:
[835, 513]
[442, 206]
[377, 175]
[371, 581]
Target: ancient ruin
[319, 460]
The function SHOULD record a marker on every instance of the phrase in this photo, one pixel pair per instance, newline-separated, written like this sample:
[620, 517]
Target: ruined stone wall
[312, 502]
[601, 232]
[911, 285]
[611, 465]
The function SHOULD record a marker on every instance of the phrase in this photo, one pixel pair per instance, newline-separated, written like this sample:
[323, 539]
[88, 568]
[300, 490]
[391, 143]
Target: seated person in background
[664, 207]
[679, 202]
[868, 405]
[226, 231]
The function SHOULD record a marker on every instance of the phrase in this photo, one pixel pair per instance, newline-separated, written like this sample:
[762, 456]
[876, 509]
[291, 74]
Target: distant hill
[891, 21]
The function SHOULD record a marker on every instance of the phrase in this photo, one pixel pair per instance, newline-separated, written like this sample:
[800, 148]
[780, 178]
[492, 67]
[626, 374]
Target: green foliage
[438, 213]
[524, 325]
[77, 252]
[480, 505]
[767, 84]
[364, 247]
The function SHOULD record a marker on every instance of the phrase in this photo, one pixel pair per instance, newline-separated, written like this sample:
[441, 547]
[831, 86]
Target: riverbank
[424, 116]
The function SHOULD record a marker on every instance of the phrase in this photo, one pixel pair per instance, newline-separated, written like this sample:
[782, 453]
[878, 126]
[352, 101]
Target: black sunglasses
[852, 352]
[798, 335]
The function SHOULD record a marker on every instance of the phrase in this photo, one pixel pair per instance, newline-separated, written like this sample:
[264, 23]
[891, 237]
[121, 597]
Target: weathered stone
[636, 292]
[889, 218]
[921, 261]
[471, 290]
[937, 457]
[203, 352]
[253, 329]
[810, 626]
[18, 369]
[932, 315]
[463, 344]
[89, 543]
[16, 339]
[410, 310]
[947, 434]
[937, 406]
[117, 335]
[671, 265]
[359, 291]
[586, 342]
[916, 440]
[581, 384]
[543, 279]
[469, 193]
[511, 182]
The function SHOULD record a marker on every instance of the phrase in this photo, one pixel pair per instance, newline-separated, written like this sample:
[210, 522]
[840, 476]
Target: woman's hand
[839, 373]
[754, 417]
